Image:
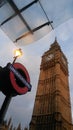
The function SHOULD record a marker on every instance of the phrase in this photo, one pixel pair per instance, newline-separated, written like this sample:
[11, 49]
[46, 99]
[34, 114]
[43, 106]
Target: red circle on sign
[16, 87]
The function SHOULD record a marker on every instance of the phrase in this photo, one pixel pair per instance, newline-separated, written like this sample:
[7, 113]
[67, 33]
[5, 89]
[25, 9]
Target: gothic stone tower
[52, 108]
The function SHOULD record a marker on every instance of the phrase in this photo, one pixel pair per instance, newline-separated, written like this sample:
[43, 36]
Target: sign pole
[4, 108]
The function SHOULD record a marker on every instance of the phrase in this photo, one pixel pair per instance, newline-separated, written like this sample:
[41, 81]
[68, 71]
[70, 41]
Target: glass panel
[14, 28]
[33, 37]
[58, 10]
[5, 12]
[22, 3]
[34, 16]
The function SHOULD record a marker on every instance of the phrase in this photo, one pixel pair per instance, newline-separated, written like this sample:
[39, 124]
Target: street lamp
[17, 53]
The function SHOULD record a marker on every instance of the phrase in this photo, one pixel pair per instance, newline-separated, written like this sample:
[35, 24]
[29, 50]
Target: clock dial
[49, 57]
[63, 59]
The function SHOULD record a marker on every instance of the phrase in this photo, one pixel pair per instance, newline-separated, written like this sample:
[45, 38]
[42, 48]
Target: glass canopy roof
[26, 21]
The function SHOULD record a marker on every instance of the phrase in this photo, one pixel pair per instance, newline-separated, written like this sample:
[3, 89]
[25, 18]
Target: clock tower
[52, 107]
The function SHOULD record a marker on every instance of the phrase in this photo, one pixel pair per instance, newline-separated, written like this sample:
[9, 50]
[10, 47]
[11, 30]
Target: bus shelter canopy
[25, 21]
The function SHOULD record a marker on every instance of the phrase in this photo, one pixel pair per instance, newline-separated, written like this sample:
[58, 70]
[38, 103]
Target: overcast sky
[21, 107]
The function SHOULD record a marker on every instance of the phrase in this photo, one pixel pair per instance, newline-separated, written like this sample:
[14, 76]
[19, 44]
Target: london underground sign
[25, 79]
[15, 80]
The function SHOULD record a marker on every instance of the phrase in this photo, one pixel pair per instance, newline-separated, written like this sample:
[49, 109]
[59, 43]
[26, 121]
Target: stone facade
[52, 107]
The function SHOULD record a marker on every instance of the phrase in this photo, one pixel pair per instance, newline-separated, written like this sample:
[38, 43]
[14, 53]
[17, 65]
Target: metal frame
[18, 12]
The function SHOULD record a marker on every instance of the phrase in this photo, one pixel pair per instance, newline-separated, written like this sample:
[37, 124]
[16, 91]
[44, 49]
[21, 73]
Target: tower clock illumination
[49, 57]
[63, 59]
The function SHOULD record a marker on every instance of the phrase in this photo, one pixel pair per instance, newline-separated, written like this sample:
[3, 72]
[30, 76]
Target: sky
[21, 107]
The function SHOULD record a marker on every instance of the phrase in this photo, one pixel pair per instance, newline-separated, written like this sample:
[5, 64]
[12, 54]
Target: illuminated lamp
[17, 53]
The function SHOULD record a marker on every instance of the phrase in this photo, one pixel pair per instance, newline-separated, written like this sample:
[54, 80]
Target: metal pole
[15, 59]
[4, 108]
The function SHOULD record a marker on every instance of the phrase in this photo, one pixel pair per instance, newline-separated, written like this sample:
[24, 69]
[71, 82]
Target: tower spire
[55, 45]
[55, 39]
[56, 42]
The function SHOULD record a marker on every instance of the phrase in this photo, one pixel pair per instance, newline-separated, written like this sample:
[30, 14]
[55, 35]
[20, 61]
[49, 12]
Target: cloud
[64, 31]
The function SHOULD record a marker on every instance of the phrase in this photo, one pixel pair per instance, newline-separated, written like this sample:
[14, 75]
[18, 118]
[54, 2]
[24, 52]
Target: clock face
[49, 57]
[63, 59]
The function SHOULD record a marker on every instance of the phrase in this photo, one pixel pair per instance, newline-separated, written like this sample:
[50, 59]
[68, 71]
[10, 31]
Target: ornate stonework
[52, 108]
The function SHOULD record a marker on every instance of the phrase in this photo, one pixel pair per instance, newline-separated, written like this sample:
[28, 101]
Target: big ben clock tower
[52, 108]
